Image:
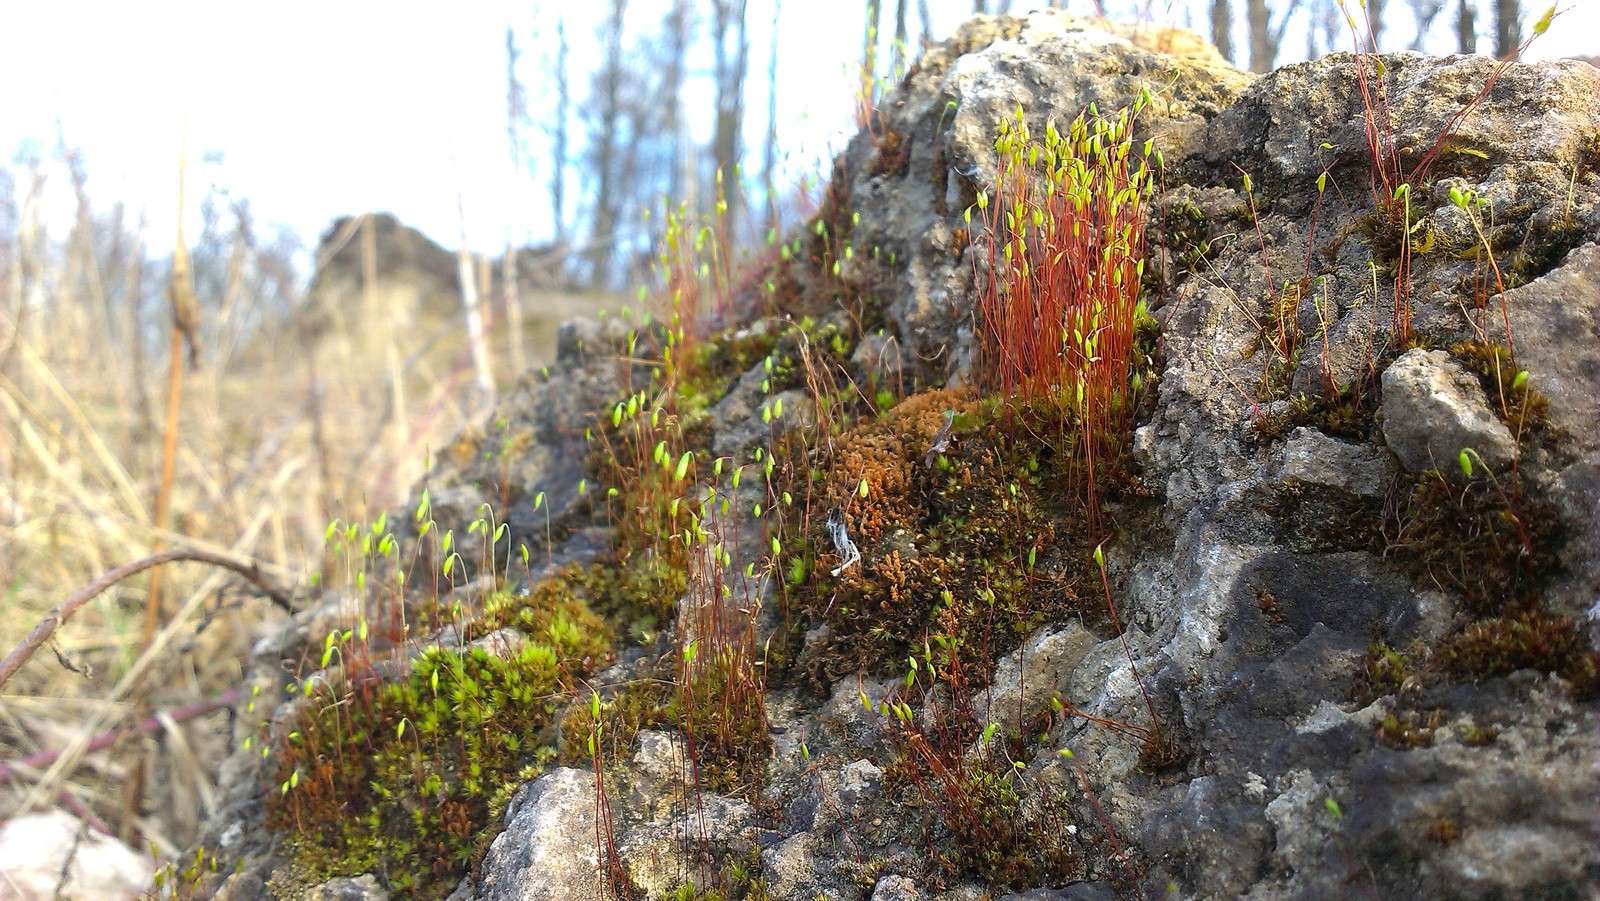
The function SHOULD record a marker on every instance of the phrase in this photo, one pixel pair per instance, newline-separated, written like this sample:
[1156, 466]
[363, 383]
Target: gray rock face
[1434, 409]
[1556, 322]
[945, 113]
[1251, 597]
[747, 416]
[547, 851]
[1026, 678]
[698, 842]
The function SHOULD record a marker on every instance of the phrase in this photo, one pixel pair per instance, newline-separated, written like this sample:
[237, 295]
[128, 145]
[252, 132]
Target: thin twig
[53, 620]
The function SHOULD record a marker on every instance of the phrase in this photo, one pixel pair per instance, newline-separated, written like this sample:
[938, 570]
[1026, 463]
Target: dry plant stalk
[185, 329]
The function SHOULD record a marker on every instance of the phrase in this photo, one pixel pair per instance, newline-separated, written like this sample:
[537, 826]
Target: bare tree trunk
[927, 24]
[602, 237]
[1375, 21]
[1259, 19]
[683, 156]
[133, 289]
[980, 6]
[516, 113]
[732, 64]
[899, 39]
[1424, 12]
[80, 250]
[869, 55]
[28, 285]
[1466, 27]
[1222, 28]
[769, 162]
[472, 311]
[1265, 36]
[1507, 28]
[558, 177]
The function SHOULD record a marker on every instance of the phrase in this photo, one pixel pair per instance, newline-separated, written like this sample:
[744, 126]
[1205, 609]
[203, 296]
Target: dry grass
[278, 435]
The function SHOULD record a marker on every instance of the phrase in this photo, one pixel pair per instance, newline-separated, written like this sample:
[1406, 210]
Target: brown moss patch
[1529, 640]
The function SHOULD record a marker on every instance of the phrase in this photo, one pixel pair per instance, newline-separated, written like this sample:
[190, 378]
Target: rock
[1555, 321]
[1312, 458]
[415, 277]
[878, 356]
[41, 851]
[584, 339]
[531, 444]
[858, 779]
[1258, 581]
[361, 888]
[945, 113]
[1027, 677]
[896, 888]
[747, 417]
[700, 843]
[660, 775]
[790, 868]
[1083, 891]
[1434, 408]
[547, 851]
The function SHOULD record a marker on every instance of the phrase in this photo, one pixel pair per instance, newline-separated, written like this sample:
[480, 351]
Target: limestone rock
[1434, 408]
[896, 888]
[361, 888]
[1027, 677]
[41, 851]
[547, 851]
[1312, 458]
[748, 417]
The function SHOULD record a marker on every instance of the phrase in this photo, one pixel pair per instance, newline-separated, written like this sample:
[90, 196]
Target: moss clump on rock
[960, 548]
[1528, 640]
[401, 779]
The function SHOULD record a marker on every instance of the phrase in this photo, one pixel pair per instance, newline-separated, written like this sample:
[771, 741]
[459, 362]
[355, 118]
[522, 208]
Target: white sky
[325, 108]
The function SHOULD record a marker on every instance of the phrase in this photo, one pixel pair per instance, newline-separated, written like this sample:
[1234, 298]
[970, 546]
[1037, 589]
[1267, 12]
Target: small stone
[896, 888]
[1312, 458]
[360, 888]
[1433, 408]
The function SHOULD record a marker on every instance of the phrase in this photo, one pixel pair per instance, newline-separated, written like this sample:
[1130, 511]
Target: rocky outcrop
[414, 276]
[1348, 662]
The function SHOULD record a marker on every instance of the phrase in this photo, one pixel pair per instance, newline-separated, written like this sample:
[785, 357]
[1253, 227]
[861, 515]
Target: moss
[624, 712]
[1162, 751]
[637, 596]
[1001, 825]
[1187, 234]
[1541, 249]
[1408, 732]
[401, 780]
[1309, 519]
[1444, 831]
[1510, 390]
[1471, 536]
[954, 546]
[1385, 669]
[715, 365]
[739, 879]
[724, 721]
[1397, 224]
[894, 155]
[1350, 413]
[1528, 640]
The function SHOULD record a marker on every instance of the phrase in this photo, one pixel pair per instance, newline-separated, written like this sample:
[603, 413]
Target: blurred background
[374, 215]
